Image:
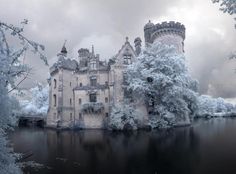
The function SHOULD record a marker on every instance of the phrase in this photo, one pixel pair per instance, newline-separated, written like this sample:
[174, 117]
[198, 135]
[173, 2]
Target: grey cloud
[105, 24]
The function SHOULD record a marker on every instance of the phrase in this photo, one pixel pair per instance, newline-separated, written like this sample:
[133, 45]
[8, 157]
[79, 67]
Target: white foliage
[10, 69]
[227, 6]
[124, 116]
[208, 106]
[38, 103]
[160, 74]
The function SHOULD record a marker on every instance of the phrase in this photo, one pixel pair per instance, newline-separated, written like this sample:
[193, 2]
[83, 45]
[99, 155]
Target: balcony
[92, 107]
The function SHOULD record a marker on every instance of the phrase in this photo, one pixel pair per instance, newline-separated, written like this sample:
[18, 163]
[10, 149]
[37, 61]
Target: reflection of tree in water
[173, 151]
[117, 152]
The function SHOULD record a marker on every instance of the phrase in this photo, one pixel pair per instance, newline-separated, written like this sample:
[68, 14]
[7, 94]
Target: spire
[126, 39]
[93, 50]
[63, 50]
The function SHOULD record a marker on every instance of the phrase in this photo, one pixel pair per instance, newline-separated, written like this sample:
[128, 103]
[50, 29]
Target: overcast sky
[210, 34]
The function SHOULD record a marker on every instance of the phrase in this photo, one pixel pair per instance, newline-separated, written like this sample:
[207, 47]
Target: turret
[137, 44]
[148, 31]
[170, 33]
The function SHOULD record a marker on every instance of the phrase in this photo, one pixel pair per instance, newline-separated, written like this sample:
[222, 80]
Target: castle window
[92, 97]
[55, 100]
[106, 114]
[106, 100]
[80, 116]
[106, 83]
[127, 59]
[80, 100]
[80, 84]
[70, 84]
[93, 65]
[55, 83]
[93, 81]
[70, 101]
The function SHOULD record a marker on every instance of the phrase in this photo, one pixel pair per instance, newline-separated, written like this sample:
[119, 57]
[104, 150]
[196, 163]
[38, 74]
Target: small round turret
[137, 44]
[170, 33]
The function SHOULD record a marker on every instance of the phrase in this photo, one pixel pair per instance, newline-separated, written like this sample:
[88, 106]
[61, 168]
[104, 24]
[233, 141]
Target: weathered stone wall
[52, 112]
[171, 39]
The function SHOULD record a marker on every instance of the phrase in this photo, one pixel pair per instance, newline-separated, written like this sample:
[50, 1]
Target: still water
[207, 147]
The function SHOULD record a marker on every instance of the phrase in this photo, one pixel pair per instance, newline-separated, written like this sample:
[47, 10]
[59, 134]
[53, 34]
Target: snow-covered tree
[160, 77]
[208, 106]
[124, 116]
[227, 6]
[38, 102]
[11, 68]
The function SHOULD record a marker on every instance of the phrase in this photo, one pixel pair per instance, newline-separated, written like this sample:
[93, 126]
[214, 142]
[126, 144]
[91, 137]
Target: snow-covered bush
[208, 106]
[38, 103]
[160, 77]
[124, 116]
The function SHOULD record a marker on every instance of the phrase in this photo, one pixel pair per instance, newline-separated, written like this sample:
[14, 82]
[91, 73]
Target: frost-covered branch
[11, 68]
[227, 6]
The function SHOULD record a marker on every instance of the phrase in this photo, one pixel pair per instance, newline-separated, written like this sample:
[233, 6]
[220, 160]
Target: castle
[83, 90]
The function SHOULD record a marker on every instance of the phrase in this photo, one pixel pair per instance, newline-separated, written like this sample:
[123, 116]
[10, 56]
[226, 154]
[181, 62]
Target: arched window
[70, 101]
[55, 100]
[55, 83]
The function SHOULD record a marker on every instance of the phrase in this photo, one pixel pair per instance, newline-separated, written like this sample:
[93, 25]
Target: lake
[208, 146]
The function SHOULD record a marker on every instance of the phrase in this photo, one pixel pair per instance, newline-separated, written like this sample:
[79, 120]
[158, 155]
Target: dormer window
[127, 59]
[93, 65]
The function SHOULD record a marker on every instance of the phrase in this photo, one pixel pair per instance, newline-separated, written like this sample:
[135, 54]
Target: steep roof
[125, 49]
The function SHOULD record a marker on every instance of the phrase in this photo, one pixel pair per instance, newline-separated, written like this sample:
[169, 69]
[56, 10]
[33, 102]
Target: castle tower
[170, 33]
[148, 30]
[83, 56]
[137, 44]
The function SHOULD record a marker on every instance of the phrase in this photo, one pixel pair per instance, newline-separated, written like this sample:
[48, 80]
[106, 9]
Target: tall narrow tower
[137, 44]
[170, 33]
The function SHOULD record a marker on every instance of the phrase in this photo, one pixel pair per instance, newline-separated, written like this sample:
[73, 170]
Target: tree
[38, 102]
[227, 6]
[12, 68]
[160, 77]
[208, 106]
[124, 116]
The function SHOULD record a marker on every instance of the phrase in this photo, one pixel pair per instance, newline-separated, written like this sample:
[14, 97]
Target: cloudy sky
[210, 34]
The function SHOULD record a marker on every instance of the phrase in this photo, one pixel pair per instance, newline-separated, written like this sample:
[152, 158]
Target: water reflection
[196, 149]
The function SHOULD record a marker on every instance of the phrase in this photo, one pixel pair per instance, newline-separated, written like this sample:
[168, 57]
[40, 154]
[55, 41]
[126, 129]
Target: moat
[209, 146]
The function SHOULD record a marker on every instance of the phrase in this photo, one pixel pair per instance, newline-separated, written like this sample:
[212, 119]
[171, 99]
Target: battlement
[152, 32]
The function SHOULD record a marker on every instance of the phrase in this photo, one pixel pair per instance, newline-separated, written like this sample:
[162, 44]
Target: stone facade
[83, 90]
